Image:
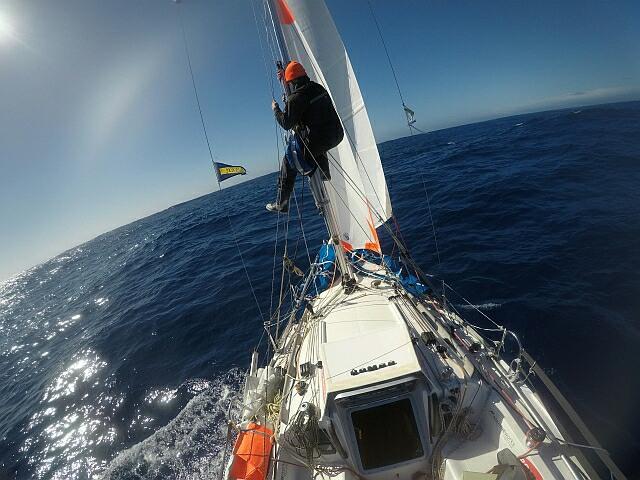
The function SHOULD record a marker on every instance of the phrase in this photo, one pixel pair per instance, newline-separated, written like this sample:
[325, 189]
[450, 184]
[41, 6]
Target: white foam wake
[187, 448]
[481, 306]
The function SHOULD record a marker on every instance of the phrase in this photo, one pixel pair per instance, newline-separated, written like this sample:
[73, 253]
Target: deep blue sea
[119, 356]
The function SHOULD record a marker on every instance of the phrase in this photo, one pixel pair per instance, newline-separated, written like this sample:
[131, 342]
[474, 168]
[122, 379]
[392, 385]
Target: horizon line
[15, 275]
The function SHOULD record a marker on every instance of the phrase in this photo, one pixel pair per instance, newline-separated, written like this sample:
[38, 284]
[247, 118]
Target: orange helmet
[294, 70]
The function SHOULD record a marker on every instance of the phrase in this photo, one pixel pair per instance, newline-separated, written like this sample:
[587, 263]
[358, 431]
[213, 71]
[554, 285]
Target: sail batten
[358, 190]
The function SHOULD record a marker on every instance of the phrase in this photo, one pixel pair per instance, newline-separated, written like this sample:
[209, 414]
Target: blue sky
[98, 124]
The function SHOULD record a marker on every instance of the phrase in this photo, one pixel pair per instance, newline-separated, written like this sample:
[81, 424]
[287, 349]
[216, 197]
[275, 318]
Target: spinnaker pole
[317, 185]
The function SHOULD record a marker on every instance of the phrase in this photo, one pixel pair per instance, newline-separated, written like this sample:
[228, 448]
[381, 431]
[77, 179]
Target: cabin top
[364, 341]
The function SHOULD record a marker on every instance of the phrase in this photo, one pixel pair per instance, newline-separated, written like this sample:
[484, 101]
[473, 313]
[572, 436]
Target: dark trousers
[288, 174]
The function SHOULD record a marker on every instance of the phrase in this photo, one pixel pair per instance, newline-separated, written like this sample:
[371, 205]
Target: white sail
[357, 190]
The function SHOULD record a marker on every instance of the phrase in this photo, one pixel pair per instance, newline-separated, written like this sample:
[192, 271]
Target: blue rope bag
[295, 156]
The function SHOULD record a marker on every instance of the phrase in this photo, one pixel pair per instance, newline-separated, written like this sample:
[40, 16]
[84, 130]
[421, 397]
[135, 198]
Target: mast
[317, 185]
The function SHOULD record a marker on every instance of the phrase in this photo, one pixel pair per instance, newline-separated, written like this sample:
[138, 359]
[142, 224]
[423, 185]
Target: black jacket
[310, 112]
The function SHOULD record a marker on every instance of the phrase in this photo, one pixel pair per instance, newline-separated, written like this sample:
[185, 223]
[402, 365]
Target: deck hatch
[387, 434]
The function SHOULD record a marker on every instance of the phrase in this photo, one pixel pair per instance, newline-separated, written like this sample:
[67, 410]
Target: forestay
[358, 190]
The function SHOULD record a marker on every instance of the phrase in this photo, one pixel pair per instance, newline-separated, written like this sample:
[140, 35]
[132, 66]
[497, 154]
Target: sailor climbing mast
[317, 185]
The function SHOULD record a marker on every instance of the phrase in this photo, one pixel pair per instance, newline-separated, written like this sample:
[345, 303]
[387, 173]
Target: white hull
[378, 349]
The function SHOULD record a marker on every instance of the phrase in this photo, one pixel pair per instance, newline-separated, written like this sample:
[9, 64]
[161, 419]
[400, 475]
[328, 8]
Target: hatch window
[387, 434]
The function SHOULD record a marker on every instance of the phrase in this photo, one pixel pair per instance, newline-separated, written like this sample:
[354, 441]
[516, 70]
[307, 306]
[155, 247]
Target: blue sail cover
[326, 261]
[410, 282]
[397, 269]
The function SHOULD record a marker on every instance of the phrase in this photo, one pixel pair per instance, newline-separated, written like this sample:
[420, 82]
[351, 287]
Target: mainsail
[357, 190]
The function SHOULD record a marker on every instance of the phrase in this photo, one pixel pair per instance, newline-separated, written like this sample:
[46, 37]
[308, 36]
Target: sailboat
[373, 374]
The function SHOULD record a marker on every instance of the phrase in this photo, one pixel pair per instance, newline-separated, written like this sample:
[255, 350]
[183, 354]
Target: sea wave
[101, 348]
[190, 446]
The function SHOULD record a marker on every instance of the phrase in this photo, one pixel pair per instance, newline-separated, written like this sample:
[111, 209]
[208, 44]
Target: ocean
[118, 358]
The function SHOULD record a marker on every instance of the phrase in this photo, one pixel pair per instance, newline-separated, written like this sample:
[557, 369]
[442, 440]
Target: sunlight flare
[6, 27]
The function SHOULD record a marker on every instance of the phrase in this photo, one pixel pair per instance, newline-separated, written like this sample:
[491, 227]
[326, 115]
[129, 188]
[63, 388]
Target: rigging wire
[357, 157]
[264, 58]
[284, 271]
[354, 186]
[213, 162]
[299, 208]
[352, 144]
[433, 226]
[270, 83]
[273, 269]
[386, 51]
[280, 140]
[403, 249]
[409, 114]
[407, 111]
[344, 173]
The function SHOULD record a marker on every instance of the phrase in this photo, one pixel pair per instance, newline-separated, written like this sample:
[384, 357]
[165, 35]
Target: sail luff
[358, 188]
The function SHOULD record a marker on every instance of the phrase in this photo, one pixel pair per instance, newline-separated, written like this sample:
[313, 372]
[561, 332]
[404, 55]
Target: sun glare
[6, 29]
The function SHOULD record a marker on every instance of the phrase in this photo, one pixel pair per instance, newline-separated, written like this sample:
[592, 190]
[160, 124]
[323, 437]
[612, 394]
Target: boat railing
[524, 369]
